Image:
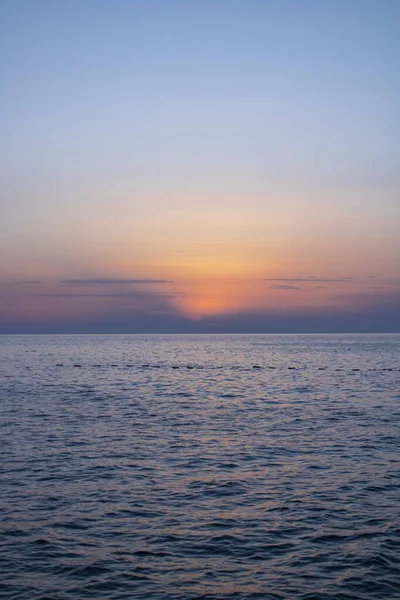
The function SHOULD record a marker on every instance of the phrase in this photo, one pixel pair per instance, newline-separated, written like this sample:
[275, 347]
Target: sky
[199, 166]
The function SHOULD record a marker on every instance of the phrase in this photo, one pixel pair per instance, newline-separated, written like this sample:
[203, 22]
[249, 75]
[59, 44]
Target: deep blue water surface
[218, 481]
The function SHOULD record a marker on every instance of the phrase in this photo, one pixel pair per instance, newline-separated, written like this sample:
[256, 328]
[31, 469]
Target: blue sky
[215, 144]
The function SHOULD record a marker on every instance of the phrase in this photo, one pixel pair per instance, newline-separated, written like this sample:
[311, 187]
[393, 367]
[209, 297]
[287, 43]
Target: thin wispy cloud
[285, 287]
[309, 279]
[116, 295]
[100, 282]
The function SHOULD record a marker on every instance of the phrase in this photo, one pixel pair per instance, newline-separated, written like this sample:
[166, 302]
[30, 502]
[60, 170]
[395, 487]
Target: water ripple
[212, 467]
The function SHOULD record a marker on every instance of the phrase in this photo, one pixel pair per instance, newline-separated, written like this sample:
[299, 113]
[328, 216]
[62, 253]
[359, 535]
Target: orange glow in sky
[200, 168]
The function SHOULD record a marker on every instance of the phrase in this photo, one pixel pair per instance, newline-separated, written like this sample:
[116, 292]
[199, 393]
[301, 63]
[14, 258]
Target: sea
[202, 467]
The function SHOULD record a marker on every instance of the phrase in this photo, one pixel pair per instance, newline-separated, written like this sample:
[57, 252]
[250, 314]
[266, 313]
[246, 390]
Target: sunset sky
[199, 166]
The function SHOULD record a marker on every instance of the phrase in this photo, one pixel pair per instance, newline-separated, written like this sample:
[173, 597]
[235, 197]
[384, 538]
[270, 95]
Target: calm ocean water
[121, 480]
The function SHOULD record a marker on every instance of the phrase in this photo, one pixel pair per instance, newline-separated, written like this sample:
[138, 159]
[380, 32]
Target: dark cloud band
[90, 282]
[309, 279]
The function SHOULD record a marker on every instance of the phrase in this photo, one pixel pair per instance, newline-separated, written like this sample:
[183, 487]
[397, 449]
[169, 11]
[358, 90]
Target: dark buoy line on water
[253, 367]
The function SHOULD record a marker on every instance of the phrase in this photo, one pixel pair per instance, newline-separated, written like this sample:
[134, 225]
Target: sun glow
[218, 296]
